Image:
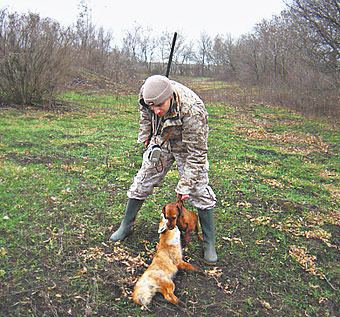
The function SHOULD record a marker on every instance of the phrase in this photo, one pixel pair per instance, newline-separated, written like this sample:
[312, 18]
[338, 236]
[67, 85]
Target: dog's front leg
[187, 237]
[197, 232]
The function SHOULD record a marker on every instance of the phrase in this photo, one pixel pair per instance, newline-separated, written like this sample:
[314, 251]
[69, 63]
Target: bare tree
[165, 41]
[183, 52]
[185, 56]
[248, 63]
[147, 45]
[131, 41]
[93, 46]
[223, 55]
[276, 48]
[319, 25]
[204, 57]
[85, 30]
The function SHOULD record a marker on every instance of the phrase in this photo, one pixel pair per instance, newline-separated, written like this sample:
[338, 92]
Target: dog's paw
[200, 271]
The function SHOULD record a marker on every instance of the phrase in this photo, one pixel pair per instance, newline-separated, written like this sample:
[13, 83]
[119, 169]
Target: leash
[180, 202]
[167, 137]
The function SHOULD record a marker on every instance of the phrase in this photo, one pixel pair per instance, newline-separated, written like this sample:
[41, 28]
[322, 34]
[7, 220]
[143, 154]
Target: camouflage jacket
[188, 118]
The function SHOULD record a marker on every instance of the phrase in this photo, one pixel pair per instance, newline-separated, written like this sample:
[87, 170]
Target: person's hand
[183, 197]
[147, 142]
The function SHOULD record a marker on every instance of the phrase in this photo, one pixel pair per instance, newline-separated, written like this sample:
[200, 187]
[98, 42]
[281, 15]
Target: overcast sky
[191, 17]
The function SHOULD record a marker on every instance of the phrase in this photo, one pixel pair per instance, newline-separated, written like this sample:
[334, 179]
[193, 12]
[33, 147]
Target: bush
[34, 58]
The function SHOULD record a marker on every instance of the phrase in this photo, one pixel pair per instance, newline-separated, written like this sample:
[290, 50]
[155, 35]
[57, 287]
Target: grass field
[64, 174]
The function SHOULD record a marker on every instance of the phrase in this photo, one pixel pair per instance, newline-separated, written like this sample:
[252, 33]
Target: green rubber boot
[125, 228]
[207, 222]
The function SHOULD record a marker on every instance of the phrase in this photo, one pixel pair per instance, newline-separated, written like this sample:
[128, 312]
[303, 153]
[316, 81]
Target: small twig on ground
[49, 303]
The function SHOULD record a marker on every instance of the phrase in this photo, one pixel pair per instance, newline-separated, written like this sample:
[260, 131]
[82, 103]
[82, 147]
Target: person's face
[161, 109]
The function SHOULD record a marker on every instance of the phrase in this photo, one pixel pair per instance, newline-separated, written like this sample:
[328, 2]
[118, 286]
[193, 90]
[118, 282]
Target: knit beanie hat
[156, 90]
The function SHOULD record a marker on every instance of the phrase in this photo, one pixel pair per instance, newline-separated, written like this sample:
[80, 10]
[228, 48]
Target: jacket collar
[174, 110]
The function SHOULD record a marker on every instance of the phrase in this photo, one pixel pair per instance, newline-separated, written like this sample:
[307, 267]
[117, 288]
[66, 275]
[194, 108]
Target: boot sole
[122, 238]
[209, 263]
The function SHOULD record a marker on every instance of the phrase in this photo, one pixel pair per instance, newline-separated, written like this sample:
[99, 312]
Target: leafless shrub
[34, 58]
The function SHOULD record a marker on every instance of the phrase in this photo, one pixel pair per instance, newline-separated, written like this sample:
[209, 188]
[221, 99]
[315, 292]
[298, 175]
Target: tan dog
[164, 266]
[185, 219]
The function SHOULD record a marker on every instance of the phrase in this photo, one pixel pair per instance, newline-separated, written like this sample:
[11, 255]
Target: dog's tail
[143, 294]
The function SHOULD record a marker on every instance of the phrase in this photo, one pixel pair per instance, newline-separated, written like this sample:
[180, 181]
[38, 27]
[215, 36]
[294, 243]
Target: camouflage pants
[151, 175]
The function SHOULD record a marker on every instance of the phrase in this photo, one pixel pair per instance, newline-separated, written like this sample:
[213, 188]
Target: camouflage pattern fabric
[187, 145]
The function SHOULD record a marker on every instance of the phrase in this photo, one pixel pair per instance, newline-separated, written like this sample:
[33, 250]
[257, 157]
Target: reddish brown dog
[185, 219]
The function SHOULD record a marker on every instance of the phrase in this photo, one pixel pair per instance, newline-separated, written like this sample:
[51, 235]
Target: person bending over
[173, 127]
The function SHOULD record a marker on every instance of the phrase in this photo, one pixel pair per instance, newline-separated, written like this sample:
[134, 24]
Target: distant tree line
[294, 57]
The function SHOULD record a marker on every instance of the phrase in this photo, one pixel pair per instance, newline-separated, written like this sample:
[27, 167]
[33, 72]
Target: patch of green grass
[63, 181]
